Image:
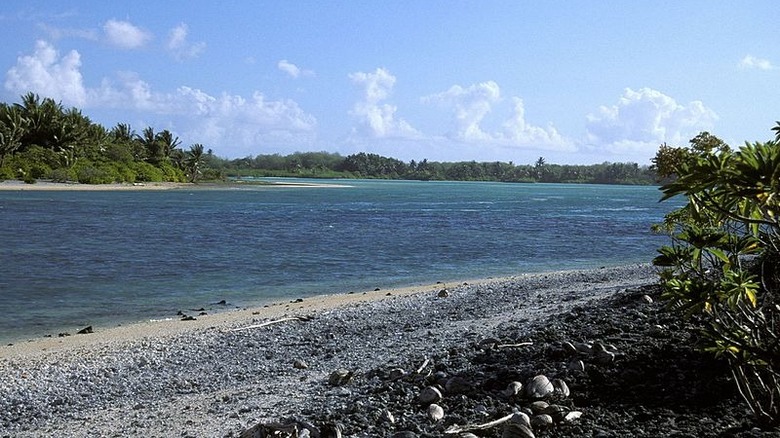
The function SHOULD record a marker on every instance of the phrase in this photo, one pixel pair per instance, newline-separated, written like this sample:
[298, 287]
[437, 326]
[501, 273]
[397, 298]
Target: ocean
[75, 258]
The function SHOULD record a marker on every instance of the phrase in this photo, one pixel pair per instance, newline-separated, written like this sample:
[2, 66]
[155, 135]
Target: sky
[575, 82]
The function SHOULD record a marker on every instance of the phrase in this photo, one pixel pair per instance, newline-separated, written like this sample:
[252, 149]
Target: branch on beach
[520, 344]
[275, 321]
[468, 428]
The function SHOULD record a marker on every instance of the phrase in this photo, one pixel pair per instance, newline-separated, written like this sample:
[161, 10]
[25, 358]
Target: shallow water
[72, 259]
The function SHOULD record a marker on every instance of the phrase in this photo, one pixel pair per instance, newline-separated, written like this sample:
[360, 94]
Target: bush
[62, 175]
[90, 173]
[722, 264]
[145, 172]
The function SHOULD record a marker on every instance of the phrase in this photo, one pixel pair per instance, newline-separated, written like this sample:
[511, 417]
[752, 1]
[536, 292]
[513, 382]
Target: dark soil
[659, 385]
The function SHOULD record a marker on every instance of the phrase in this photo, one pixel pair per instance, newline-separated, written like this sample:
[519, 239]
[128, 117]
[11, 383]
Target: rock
[582, 347]
[299, 364]
[467, 435]
[189, 318]
[331, 430]
[444, 293]
[561, 388]
[457, 385]
[340, 377]
[396, 373]
[572, 416]
[512, 389]
[435, 412]
[541, 421]
[539, 387]
[404, 434]
[515, 430]
[429, 395]
[521, 418]
[556, 412]
[569, 347]
[85, 331]
[647, 299]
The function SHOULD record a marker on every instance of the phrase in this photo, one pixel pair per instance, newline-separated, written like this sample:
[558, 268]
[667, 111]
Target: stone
[457, 385]
[435, 412]
[515, 430]
[444, 293]
[572, 416]
[340, 377]
[561, 388]
[541, 421]
[539, 387]
[429, 395]
[299, 364]
[512, 389]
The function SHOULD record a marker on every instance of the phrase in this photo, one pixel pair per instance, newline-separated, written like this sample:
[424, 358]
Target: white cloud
[376, 118]
[46, 73]
[125, 35]
[643, 119]
[470, 107]
[293, 70]
[751, 62]
[180, 47]
[231, 123]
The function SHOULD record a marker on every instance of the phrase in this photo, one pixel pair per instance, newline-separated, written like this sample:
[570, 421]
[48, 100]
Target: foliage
[39, 138]
[722, 265]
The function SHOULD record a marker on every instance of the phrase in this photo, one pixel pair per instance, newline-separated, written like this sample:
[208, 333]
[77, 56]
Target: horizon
[447, 82]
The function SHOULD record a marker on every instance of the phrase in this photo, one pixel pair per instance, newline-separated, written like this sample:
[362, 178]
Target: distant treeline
[41, 139]
[365, 165]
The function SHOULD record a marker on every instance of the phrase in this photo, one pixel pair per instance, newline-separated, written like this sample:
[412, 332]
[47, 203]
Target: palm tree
[194, 161]
[12, 129]
[169, 142]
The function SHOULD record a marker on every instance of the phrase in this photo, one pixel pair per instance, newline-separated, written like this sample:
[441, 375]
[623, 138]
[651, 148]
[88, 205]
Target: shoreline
[50, 186]
[211, 380]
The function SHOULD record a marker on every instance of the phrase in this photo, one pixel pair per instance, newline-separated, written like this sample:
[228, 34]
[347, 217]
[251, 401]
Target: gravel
[217, 382]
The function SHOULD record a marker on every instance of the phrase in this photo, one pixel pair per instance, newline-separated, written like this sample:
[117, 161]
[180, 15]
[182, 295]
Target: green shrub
[62, 175]
[722, 264]
[145, 172]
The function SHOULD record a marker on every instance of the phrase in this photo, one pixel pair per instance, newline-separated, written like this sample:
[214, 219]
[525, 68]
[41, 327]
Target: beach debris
[340, 377]
[63, 334]
[429, 395]
[444, 293]
[422, 367]
[435, 412]
[189, 318]
[539, 387]
[396, 373]
[512, 389]
[275, 321]
[468, 428]
[85, 331]
[299, 364]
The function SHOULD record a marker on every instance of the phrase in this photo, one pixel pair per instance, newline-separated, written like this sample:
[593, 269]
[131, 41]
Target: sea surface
[71, 259]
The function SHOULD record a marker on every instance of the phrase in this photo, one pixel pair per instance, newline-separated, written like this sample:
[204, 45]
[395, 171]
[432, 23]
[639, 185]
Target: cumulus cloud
[471, 105]
[235, 124]
[47, 73]
[643, 119]
[180, 47]
[125, 35]
[377, 118]
[752, 63]
[293, 70]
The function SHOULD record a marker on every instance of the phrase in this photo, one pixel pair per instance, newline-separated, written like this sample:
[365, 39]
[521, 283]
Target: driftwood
[275, 321]
[422, 367]
[521, 344]
[458, 429]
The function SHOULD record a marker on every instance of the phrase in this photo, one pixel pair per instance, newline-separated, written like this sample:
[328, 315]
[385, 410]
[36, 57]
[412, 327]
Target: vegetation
[723, 264]
[41, 139]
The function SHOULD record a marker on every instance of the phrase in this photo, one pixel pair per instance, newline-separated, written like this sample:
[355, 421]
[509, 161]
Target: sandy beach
[222, 373]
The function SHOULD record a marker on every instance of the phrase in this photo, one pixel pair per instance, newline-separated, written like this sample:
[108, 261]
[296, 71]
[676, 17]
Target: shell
[539, 387]
[435, 412]
[561, 388]
[541, 421]
[429, 395]
[512, 389]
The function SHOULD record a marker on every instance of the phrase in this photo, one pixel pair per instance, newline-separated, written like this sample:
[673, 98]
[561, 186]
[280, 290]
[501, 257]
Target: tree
[194, 160]
[724, 261]
[12, 129]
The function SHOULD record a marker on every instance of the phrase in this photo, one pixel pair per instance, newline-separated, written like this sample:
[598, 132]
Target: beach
[221, 374]
[42, 186]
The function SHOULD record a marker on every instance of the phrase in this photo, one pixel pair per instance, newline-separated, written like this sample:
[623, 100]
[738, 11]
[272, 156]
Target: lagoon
[103, 258]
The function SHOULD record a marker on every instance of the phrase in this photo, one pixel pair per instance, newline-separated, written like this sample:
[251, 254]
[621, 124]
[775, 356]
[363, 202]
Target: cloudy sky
[571, 81]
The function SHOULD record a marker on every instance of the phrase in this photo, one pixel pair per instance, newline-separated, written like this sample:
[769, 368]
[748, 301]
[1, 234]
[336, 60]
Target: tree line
[40, 139]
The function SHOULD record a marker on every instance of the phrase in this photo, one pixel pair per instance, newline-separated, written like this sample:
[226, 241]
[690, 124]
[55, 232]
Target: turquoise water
[72, 259]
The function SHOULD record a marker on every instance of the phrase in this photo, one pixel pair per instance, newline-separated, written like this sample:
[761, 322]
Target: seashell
[516, 430]
[387, 417]
[429, 395]
[577, 365]
[572, 416]
[512, 389]
[556, 412]
[569, 347]
[561, 388]
[396, 373]
[582, 347]
[340, 377]
[435, 412]
[541, 421]
[538, 407]
[457, 385]
[539, 387]
[647, 299]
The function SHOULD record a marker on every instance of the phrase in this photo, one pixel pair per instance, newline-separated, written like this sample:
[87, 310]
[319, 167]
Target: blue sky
[571, 81]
